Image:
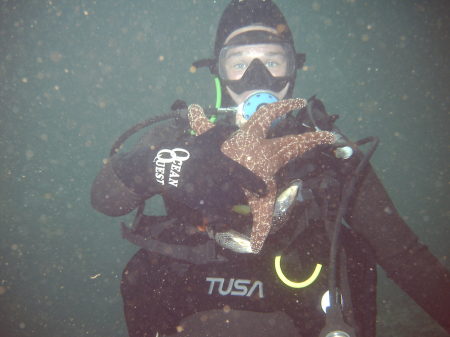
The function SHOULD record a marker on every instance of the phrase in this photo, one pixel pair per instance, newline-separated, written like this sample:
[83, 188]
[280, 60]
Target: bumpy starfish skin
[264, 157]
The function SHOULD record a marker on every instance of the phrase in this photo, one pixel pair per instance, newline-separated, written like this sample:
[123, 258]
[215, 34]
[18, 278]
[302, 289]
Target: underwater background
[75, 74]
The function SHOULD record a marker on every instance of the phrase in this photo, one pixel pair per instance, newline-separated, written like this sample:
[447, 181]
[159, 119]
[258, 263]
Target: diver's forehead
[251, 28]
[256, 50]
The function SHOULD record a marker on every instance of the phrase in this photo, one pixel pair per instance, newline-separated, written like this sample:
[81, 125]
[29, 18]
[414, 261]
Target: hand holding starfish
[264, 157]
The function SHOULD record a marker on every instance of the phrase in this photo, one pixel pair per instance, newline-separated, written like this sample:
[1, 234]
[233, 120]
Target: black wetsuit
[159, 290]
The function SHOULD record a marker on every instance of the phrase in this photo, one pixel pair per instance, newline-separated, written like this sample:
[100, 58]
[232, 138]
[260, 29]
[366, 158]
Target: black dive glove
[193, 171]
[199, 175]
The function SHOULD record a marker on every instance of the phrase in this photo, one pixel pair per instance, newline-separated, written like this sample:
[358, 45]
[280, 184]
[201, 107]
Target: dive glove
[193, 171]
[199, 175]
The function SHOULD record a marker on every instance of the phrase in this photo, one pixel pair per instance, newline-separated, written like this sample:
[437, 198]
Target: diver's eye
[239, 66]
[272, 64]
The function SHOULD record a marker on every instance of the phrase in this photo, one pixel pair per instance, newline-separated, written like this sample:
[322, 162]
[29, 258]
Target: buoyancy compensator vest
[308, 183]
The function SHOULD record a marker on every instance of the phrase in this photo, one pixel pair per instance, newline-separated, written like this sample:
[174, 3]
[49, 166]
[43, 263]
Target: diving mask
[268, 66]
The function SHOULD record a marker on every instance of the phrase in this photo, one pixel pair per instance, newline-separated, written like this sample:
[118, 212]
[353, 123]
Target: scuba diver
[333, 221]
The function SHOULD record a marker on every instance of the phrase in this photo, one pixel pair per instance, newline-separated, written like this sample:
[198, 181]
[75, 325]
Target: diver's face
[238, 59]
[255, 67]
[272, 56]
[250, 68]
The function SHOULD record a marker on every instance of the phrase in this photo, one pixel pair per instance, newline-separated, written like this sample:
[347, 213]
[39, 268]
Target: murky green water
[75, 74]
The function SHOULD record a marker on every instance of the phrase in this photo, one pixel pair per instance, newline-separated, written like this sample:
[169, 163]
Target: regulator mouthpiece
[254, 102]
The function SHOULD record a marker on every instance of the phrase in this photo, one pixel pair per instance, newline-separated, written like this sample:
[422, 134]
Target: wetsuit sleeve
[408, 262]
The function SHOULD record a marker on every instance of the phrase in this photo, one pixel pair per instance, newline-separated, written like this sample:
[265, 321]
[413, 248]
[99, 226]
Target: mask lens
[278, 58]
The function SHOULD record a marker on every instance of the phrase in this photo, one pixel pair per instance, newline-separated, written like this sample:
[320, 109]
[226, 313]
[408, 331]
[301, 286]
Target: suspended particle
[281, 28]
[29, 154]
[55, 56]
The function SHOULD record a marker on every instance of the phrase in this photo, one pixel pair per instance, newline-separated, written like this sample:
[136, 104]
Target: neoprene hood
[242, 13]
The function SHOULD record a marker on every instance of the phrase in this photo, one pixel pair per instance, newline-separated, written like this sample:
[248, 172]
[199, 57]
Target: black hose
[347, 192]
[135, 128]
[179, 113]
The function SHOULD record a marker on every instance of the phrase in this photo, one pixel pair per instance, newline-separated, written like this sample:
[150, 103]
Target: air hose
[335, 326]
[135, 128]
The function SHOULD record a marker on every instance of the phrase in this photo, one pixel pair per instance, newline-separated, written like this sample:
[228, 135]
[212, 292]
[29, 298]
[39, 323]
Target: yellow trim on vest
[292, 284]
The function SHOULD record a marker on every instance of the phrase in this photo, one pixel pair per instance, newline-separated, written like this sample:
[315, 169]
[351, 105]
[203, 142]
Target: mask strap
[300, 60]
[206, 63]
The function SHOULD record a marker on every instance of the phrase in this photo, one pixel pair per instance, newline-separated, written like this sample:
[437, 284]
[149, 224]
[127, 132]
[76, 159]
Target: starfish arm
[262, 211]
[243, 149]
[286, 148]
[259, 123]
[197, 119]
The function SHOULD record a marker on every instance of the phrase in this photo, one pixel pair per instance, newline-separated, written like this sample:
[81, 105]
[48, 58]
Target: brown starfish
[264, 157]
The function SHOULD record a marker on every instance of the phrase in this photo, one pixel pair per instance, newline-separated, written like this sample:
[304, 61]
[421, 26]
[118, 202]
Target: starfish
[249, 147]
